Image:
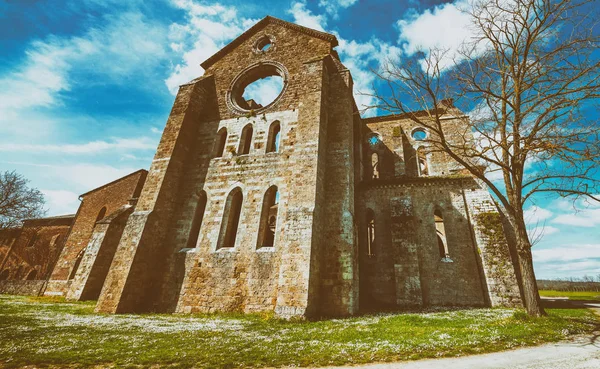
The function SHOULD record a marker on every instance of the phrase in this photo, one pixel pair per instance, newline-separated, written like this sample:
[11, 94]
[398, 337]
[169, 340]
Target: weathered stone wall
[407, 268]
[98, 255]
[24, 288]
[110, 197]
[33, 248]
[498, 262]
[338, 254]
[137, 272]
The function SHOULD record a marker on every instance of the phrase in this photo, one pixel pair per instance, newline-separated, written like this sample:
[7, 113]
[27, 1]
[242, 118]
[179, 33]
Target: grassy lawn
[41, 331]
[578, 295]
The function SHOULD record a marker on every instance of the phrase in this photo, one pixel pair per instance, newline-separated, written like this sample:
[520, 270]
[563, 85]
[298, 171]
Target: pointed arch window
[245, 140]
[375, 166]
[273, 137]
[197, 221]
[440, 231]
[422, 164]
[220, 143]
[231, 218]
[268, 218]
[101, 214]
[370, 232]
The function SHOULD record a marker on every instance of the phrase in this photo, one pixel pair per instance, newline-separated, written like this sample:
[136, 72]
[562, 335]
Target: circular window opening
[263, 44]
[419, 134]
[374, 140]
[258, 88]
[261, 92]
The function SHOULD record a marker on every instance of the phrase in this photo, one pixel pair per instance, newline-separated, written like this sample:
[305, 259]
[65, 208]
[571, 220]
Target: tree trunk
[533, 302]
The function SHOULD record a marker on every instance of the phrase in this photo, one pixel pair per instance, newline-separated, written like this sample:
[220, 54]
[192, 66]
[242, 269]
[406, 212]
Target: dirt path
[580, 353]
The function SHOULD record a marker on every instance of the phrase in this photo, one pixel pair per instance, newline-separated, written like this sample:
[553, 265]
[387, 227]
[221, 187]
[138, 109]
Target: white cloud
[567, 261]
[535, 215]
[60, 202]
[81, 177]
[582, 218]
[124, 44]
[306, 18]
[358, 57]
[94, 147]
[208, 29]
[332, 6]
[444, 26]
[567, 253]
[264, 91]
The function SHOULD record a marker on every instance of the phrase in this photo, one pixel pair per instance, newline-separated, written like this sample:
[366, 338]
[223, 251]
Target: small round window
[263, 44]
[374, 140]
[419, 134]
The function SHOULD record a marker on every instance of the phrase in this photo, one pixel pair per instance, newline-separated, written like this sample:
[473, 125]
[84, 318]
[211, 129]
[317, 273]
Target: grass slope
[48, 332]
[572, 295]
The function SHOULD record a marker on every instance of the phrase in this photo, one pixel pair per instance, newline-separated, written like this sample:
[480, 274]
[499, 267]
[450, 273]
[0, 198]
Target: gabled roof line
[268, 19]
[113, 182]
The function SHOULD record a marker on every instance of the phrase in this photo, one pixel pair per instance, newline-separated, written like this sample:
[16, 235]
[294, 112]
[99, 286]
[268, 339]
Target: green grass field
[578, 295]
[39, 331]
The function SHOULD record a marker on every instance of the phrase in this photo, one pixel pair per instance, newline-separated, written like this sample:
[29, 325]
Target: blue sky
[87, 86]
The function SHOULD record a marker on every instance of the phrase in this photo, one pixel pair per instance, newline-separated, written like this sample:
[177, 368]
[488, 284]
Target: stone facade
[300, 206]
[98, 208]
[30, 252]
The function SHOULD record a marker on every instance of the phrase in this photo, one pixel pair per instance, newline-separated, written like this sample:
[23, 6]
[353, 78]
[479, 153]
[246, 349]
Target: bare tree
[18, 201]
[529, 78]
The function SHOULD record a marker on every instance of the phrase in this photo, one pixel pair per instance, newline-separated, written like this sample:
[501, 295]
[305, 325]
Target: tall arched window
[374, 165]
[245, 140]
[220, 143]
[231, 218]
[197, 220]
[422, 164]
[440, 231]
[101, 214]
[273, 138]
[268, 218]
[370, 232]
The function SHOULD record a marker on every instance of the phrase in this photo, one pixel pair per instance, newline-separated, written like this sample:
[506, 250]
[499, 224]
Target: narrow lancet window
[268, 218]
[197, 221]
[370, 232]
[101, 214]
[231, 218]
[422, 164]
[440, 231]
[245, 140]
[220, 143]
[273, 138]
[374, 165]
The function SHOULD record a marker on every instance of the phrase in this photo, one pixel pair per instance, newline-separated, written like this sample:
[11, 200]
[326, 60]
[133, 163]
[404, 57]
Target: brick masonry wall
[98, 255]
[111, 197]
[40, 255]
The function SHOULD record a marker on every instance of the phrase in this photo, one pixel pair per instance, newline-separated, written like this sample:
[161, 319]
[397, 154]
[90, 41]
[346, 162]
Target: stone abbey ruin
[300, 206]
